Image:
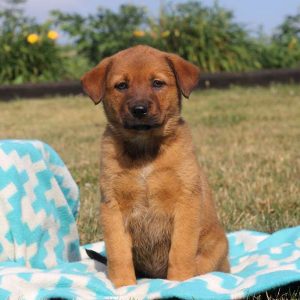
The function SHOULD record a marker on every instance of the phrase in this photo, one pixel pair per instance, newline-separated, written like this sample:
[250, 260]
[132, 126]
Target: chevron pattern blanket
[40, 255]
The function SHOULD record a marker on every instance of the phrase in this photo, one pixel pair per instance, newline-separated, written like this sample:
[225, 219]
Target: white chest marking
[145, 172]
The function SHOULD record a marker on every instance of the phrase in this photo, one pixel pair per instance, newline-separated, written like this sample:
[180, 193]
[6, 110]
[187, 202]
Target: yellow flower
[32, 38]
[165, 33]
[292, 44]
[176, 32]
[52, 35]
[139, 33]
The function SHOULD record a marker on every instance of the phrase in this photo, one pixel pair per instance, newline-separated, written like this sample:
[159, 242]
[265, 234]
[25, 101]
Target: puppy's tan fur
[157, 212]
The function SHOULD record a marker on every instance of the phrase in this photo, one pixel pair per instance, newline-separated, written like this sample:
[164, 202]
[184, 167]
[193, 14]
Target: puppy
[157, 213]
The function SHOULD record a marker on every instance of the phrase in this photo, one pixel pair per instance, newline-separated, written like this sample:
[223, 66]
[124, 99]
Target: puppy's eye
[121, 86]
[158, 83]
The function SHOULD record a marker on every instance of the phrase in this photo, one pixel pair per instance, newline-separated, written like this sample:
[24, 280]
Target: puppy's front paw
[122, 281]
[121, 274]
[180, 274]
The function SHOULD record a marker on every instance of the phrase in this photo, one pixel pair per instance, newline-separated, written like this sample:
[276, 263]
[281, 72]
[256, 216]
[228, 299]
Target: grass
[247, 140]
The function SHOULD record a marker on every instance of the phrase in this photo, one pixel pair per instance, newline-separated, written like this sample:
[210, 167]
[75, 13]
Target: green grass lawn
[247, 141]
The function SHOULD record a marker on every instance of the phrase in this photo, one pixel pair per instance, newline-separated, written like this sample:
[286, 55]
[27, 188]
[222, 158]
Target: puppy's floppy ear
[93, 82]
[187, 75]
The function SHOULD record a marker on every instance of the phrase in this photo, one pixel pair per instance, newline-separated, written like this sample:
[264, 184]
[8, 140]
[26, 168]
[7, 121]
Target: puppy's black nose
[139, 110]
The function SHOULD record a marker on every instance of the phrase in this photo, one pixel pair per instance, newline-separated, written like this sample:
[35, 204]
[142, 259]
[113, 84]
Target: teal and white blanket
[40, 256]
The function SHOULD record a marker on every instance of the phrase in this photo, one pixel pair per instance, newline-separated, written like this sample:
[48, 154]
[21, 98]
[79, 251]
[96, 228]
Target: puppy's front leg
[184, 242]
[118, 245]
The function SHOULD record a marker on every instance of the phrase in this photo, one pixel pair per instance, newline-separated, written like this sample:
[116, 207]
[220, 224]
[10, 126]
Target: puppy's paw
[121, 274]
[180, 274]
[122, 281]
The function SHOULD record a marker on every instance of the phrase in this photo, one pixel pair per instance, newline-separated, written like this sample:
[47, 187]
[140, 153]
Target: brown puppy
[157, 212]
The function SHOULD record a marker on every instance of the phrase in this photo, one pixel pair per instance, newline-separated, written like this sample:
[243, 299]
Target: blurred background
[42, 41]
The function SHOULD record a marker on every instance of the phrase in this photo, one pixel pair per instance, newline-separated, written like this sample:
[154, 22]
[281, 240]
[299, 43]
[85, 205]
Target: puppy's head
[141, 89]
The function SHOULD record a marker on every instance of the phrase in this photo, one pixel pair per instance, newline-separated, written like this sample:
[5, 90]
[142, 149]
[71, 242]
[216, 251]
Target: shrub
[283, 49]
[28, 51]
[105, 32]
[207, 36]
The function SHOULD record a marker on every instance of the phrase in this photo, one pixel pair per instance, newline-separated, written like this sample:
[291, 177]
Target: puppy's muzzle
[141, 115]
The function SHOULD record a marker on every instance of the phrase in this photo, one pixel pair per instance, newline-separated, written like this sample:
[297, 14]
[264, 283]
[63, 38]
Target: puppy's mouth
[139, 126]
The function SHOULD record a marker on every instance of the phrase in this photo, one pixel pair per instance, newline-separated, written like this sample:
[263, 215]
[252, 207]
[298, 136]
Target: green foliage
[283, 51]
[74, 65]
[205, 35]
[105, 32]
[26, 53]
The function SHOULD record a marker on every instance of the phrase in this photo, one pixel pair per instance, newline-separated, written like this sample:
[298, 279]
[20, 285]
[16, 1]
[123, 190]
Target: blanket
[40, 255]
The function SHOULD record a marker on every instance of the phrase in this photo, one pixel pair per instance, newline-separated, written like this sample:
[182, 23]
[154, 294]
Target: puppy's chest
[148, 187]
